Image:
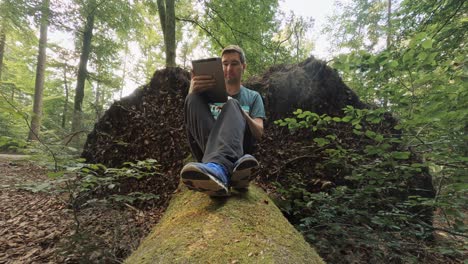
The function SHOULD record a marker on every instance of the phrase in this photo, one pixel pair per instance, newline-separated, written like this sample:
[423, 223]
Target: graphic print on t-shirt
[216, 108]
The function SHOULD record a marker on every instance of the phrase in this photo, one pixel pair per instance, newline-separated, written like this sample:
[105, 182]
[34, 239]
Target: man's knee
[193, 98]
[232, 104]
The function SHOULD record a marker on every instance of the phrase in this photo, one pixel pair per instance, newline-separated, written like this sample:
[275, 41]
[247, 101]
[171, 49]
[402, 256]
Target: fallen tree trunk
[244, 228]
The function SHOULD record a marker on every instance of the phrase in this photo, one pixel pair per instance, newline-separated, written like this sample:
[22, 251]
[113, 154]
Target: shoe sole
[241, 175]
[200, 181]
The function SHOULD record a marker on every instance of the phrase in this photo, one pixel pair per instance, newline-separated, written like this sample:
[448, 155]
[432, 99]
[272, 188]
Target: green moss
[244, 228]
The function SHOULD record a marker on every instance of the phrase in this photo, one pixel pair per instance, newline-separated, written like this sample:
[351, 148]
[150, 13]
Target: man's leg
[199, 122]
[226, 140]
[207, 178]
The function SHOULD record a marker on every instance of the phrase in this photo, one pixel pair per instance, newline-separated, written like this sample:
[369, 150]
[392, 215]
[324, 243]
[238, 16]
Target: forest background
[407, 57]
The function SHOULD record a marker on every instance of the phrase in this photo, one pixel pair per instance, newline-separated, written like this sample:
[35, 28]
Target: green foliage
[421, 78]
[113, 184]
[11, 145]
[372, 208]
[358, 24]
[267, 36]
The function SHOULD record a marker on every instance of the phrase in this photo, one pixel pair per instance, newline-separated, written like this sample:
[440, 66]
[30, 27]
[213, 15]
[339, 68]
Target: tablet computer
[213, 67]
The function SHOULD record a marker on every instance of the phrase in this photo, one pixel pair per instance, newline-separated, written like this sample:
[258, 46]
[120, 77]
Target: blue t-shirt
[250, 101]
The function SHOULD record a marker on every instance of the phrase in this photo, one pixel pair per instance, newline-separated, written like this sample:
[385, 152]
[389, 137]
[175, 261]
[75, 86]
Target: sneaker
[241, 175]
[210, 178]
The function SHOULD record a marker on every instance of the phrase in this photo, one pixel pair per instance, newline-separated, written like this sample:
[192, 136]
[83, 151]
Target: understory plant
[378, 202]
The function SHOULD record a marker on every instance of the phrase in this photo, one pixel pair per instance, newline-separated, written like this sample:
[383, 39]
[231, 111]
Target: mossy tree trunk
[244, 228]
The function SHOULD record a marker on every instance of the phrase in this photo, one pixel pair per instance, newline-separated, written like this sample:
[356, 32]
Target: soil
[39, 227]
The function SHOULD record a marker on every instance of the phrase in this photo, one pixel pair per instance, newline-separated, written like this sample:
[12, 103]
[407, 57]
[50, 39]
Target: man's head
[233, 59]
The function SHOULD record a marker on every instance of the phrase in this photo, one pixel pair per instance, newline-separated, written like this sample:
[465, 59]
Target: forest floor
[37, 227]
[40, 227]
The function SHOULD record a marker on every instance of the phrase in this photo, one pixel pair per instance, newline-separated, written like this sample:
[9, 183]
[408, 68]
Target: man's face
[232, 67]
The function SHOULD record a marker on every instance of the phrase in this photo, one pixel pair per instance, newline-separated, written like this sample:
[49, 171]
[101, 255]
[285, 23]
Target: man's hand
[201, 83]
[255, 125]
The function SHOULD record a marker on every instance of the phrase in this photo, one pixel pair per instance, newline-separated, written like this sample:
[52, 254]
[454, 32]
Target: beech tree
[40, 73]
[106, 26]
[89, 12]
[166, 10]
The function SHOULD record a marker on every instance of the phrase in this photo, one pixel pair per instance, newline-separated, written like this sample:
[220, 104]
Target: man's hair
[235, 48]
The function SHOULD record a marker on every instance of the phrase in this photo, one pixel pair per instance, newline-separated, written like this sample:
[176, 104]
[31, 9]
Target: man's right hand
[201, 83]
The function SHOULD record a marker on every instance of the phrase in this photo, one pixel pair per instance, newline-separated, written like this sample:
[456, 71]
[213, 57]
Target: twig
[450, 18]
[197, 23]
[69, 137]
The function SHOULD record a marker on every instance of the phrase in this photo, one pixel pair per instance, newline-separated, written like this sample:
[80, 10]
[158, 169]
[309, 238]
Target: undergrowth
[381, 208]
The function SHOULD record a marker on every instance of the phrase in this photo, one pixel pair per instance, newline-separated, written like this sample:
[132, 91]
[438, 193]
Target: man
[220, 142]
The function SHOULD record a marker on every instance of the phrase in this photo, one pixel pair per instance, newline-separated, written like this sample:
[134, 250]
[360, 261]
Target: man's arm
[255, 125]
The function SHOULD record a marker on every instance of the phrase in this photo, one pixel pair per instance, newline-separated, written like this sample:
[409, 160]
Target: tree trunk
[166, 12]
[82, 70]
[65, 105]
[2, 50]
[389, 23]
[97, 102]
[170, 34]
[244, 228]
[40, 74]
[162, 16]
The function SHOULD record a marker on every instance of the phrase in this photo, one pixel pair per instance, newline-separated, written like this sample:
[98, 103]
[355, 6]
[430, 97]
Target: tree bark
[162, 16]
[389, 23]
[82, 70]
[40, 74]
[170, 34]
[244, 228]
[65, 105]
[2, 50]
[97, 102]
[166, 10]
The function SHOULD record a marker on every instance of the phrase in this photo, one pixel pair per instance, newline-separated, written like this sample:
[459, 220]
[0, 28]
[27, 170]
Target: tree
[2, 49]
[360, 24]
[420, 78]
[245, 228]
[89, 11]
[12, 18]
[40, 73]
[166, 12]
[107, 26]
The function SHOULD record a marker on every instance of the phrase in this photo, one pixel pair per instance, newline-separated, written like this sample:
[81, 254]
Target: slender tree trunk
[166, 10]
[124, 73]
[389, 24]
[82, 70]
[162, 16]
[97, 102]
[65, 105]
[2, 50]
[40, 74]
[170, 34]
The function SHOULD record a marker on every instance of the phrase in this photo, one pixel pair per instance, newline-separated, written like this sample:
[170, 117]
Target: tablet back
[214, 67]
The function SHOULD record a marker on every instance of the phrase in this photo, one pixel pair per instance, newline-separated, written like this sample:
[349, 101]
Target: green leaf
[420, 35]
[370, 133]
[298, 111]
[321, 141]
[393, 64]
[54, 175]
[401, 155]
[427, 44]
